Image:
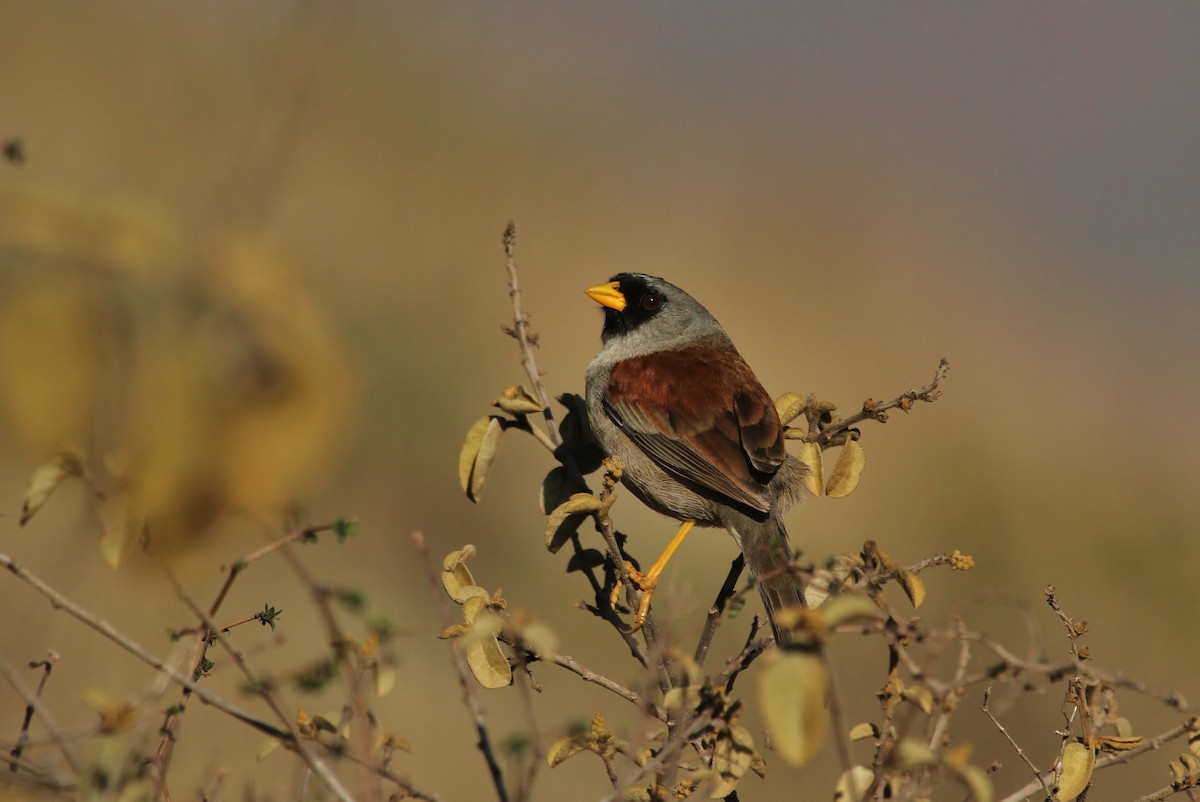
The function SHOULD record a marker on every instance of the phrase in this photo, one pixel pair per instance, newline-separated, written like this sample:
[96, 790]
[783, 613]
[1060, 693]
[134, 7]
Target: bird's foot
[646, 583]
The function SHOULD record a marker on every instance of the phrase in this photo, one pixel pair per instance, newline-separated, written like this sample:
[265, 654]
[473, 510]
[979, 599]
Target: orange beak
[608, 295]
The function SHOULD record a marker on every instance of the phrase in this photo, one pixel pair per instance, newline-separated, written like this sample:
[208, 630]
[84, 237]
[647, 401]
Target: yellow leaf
[920, 696]
[478, 452]
[979, 784]
[847, 608]
[567, 517]
[789, 406]
[957, 756]
[1078, 760]
[863, 731]
[853, 784]
[488, 663]
[810, 455]
[516, 400]
[847, 471]
[914, 587]
[538, 636]
[563, 748]
[46, 479]
[385, 680]
[115, 716]
[731, 758]
[470, 450]
[912, 754]
[682, 698]
[269, 746]
[458, 556]
[473, 606]
[791, 690]
[53, 333]
[123, 529]
[395, 742]
[488, 446]
[1115, 743]
[457, 578]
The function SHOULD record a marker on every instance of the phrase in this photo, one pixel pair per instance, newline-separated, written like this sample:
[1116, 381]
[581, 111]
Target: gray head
[658, 312]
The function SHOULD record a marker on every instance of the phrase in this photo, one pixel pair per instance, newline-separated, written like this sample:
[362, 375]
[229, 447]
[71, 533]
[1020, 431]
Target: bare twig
[464, 674]
[1149, 745]
[1037, 773]
[572, 665]
[264, 690]
[525, 338]
[836, 720]
[719, 605]
[34, 703]
[199, 653]
[308, 533]
[353, 673]
[61, 602]
[874, 410]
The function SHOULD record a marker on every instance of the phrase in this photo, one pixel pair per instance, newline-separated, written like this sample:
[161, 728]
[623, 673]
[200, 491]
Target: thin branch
[873, 410]
[174, 718]
[34, 704]
[719, 605]
[1151, 744]
[61, 602]
[315, 763]
[308, 533]
[572, 665]
[1037, 773]
[464, 673]
[742, 660]
[352, 670]
[1161, 794]
[836, 720]
[525, 681]
[525, 338]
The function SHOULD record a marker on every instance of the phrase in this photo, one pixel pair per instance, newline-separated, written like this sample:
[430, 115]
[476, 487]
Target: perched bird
[700, 438]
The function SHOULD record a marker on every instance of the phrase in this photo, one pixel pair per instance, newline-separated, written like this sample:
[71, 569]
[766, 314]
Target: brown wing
[710, 423]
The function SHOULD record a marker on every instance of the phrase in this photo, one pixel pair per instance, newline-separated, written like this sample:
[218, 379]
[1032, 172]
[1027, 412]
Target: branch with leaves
[690, 735]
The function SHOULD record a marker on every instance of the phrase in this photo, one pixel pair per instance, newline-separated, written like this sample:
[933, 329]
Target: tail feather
[768, 556]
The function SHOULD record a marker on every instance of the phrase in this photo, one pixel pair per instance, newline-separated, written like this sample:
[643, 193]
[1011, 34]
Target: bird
[698, 435]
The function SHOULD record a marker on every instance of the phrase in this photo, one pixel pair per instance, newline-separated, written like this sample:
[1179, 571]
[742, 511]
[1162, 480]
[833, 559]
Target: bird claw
[646, 583]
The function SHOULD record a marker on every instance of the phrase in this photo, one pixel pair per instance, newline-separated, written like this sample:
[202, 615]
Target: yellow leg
[648, 581]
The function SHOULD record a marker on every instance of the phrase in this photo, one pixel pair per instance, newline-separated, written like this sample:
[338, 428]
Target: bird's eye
[651, 302]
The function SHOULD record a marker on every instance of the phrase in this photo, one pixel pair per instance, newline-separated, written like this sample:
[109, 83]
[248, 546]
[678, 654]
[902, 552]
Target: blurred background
[257, 247]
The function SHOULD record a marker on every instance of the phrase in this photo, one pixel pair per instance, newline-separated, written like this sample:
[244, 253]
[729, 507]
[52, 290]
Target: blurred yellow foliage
[195, 381]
